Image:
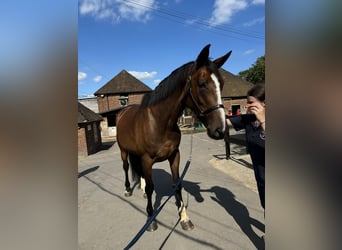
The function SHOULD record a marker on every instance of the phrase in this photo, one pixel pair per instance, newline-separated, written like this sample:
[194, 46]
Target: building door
[235, 108]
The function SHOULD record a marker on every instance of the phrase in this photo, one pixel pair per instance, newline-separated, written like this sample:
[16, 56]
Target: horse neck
[170, 109]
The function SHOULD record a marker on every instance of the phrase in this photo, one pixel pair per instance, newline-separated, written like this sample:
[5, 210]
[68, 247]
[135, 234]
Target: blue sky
[151, 38]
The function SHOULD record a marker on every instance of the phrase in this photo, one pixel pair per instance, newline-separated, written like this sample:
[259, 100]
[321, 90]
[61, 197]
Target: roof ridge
[123, 82]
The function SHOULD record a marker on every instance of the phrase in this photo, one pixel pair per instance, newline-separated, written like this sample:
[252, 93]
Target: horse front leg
[174, 165]
[128, 190]
[149, 188]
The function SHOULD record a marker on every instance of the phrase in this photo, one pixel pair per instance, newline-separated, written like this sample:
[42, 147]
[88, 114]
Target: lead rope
[191, 143]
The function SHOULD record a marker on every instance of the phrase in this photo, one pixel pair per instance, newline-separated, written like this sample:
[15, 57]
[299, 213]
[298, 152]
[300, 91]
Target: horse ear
[203, 56]
[220, 61]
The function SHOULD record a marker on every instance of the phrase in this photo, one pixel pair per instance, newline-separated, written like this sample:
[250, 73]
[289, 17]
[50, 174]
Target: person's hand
[258, 110]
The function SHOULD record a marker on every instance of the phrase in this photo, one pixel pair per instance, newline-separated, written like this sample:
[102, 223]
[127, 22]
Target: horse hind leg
[128, 190]
[143, 186]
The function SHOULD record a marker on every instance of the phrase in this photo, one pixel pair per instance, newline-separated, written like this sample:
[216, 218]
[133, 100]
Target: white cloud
[82, 76]
[258, 1]
[143, 75]
[138, 10]
[191, 21]
[250, 51]
[224, 9]
[97, 79]
[157, 81]
[107, 13]
[254, 22]
[85, 96]
[89, 6]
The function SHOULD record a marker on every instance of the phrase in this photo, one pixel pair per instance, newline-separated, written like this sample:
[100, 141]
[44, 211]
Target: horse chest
[163, 150]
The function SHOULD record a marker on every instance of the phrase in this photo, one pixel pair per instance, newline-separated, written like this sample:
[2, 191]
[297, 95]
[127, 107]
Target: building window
[123, 100]
[89, 127]
[236, 109]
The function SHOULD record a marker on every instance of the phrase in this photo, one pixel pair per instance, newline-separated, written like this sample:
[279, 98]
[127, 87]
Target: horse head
[204, 92]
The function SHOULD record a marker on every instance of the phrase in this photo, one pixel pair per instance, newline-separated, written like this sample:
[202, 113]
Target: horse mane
[165, 87]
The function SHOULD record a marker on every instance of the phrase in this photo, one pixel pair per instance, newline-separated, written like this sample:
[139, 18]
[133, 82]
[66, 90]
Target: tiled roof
[123, 83]
[86, 115]
[234, 86]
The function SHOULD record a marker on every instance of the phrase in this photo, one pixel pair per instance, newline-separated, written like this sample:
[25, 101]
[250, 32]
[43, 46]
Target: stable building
[234, 93]
[89, 131]
[122, 90]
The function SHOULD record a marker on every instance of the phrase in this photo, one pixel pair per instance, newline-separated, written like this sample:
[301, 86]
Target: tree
[256, 73]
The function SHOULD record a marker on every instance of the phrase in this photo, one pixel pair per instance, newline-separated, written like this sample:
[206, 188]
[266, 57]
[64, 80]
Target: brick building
[122, 90]
[89, 131]
[234, 92]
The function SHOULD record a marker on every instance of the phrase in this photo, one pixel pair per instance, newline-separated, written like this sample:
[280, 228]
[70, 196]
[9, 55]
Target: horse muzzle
[216, 124]
[216, 134]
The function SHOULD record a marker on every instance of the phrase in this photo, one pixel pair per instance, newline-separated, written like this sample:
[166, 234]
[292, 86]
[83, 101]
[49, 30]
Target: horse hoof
[152, 227]
[128, 193]
[187, 225]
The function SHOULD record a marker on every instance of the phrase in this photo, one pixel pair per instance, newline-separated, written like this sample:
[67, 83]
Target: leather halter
[189, 93]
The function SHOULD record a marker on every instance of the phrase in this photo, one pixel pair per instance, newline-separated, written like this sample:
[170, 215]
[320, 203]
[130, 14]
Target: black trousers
[259, 172]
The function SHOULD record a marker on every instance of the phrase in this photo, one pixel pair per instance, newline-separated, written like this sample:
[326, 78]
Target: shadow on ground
[224, 197]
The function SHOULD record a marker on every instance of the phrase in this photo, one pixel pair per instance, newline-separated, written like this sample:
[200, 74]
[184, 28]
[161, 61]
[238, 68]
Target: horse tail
[136, 168]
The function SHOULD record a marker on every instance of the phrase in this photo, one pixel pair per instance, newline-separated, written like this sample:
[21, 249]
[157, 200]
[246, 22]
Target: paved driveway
[225, 210]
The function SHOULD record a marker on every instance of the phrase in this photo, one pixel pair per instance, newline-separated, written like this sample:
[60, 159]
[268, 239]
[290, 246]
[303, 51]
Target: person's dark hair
[257, 91]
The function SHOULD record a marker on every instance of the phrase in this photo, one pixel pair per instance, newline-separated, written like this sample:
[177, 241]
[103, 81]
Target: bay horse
[148, 133]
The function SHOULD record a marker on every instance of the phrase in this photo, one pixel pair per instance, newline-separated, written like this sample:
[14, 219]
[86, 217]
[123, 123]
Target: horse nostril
[219, 133]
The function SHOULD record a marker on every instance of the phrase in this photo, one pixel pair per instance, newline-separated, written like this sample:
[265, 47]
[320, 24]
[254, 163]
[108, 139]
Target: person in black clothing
[254, 124]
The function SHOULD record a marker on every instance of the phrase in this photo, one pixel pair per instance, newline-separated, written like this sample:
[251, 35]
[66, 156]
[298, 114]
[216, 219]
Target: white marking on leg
[182, 212]
[219, 99]
[142, 184]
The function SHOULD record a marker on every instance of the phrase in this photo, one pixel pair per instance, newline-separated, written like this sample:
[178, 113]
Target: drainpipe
[107, 103]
